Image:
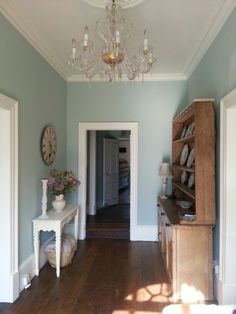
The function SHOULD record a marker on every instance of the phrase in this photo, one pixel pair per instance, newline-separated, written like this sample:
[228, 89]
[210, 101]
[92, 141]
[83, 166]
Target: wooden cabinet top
[173, 212]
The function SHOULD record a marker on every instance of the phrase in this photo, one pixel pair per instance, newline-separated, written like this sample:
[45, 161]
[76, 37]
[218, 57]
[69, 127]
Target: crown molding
[215, 24]
[160, 77]
[18, 22]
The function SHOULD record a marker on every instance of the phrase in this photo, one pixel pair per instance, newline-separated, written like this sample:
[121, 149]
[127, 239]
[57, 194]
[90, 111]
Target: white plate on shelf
[184, 204]
[183, 131]
[190, 130]
[191, 180]
[184, 177]
[191, 158]
[184, 155]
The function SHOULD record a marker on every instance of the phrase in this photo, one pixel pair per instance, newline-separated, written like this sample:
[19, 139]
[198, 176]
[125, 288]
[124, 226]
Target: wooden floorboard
[110, 222]
[107, 276]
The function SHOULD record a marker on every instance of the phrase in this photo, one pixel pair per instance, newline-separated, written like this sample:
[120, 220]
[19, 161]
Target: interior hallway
[106, 277]
[110, 222]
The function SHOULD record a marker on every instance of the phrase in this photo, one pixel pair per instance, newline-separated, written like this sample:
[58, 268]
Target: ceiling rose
[123, 3]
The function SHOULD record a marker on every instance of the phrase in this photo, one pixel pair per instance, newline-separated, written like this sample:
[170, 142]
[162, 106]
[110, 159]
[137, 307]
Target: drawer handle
[162, 214]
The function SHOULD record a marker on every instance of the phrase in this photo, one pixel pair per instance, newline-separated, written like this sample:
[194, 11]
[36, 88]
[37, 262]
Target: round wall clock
[48, 144]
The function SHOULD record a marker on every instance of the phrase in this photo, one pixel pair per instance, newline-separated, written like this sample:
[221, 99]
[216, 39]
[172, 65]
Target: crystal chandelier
[111, 62]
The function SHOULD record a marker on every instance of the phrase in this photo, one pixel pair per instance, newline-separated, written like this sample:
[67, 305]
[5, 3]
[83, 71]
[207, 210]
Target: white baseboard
[216, 286]
[28, 266]
[143, 233]
[9, 290]
[226, 292]
[91, 210]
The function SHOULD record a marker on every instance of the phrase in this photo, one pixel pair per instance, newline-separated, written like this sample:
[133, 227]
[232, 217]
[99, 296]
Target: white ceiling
[180, 30]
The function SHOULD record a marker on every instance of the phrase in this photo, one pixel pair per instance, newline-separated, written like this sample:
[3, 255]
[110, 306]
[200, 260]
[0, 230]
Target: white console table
[54, 222]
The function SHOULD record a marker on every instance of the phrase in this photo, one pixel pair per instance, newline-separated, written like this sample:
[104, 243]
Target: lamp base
[164, 197]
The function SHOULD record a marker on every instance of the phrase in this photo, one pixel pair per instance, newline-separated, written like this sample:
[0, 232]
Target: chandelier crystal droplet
[113, 61]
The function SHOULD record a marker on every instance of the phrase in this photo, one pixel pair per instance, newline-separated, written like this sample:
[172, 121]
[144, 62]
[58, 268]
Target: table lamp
[165, 173]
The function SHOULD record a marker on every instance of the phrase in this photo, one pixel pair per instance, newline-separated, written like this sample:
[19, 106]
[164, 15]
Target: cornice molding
[18, 22]
[147, 78]
[215, 24]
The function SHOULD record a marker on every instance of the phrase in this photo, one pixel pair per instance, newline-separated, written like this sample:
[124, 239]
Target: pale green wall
[152, 105]
[214, 77]
[41, 92]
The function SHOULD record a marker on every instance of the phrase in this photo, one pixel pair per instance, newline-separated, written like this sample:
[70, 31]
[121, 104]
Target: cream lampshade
[165, 173]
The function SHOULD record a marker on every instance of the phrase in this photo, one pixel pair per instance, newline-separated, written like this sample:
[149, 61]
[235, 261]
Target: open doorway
[109, 215]
[9, 276]
[84, 127]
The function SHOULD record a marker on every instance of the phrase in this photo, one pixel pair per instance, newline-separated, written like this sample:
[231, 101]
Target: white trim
[227, 273]
[82, 166]
[92, 173]
[226, 292]
[143, 233]
[28, 266]
[12, 106]
[32, 37]
[154, 77]
[215, 23]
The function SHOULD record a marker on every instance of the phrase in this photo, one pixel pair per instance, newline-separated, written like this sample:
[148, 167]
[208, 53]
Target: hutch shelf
[186, 234]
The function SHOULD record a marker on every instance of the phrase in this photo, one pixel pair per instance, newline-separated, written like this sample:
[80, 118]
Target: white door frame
[82, 166]
[92, 174]
[12, 284]
[227, 270]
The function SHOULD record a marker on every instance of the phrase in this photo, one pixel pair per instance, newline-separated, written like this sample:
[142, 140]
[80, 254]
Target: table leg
[36, 250]
[76, 226]
[58, 252]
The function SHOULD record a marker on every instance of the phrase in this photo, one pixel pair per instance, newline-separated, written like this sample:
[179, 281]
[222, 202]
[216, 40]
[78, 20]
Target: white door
[110, 172]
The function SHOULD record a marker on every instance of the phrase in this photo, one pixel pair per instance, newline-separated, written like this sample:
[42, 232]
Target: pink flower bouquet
[62, 182]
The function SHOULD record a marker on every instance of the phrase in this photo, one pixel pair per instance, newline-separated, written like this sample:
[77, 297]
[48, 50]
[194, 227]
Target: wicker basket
[68, 247]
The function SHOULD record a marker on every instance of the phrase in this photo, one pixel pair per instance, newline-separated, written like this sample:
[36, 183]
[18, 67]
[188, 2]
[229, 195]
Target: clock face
[48, 145]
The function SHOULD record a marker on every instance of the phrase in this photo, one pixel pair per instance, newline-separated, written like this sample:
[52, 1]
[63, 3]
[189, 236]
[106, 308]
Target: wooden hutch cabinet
[186, 234]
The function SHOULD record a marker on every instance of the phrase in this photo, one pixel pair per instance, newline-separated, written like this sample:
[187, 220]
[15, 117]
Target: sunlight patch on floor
[189, 294]
[134, 312]
[152, 293]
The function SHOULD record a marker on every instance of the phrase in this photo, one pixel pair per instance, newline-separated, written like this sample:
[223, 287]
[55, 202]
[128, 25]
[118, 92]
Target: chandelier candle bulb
[86, 30]
[73, 48]
[150, 58]
[117, 37]
[145, 41]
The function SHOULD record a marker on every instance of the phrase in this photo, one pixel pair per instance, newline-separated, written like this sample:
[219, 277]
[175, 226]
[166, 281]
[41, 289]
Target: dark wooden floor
[109, 222]
[106, 277]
